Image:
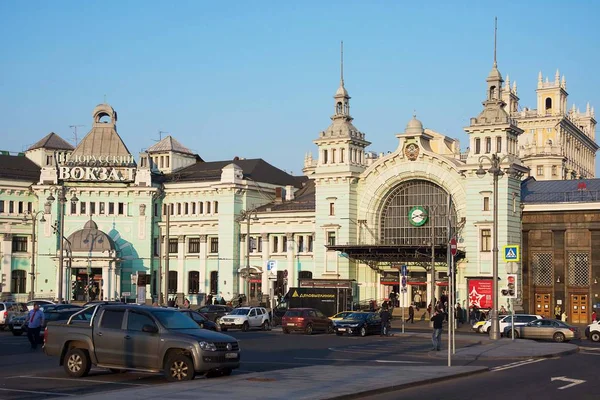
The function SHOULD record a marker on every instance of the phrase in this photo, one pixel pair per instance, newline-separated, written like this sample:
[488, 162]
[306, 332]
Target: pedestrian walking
[411, 314]
[35, 320]
[186, 303]
[208, 299]
[594, 316]
[417, 300]
[385, 321]
[503, 310]
[240, 300]
[458, 315]
[563, 317]
[557, 312]
[436, 336]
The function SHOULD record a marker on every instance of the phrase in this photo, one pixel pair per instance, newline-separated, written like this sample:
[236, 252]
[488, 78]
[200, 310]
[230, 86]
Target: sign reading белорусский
[96, 168]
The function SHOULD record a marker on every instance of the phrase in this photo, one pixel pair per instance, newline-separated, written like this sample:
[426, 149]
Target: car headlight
[219, 320]
[208, 346]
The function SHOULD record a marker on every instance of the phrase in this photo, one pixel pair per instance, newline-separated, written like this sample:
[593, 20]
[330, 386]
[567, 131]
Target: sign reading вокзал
[96, 168]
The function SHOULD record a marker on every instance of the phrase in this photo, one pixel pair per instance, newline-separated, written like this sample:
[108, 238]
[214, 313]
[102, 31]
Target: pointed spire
[495, 35]
[515, 87]
[557, 77]
[563, 83]
[547, 80]
[540, 77]
[508, 82]
[342, 63]
[587, 109]
[573, 108]
[593, 112]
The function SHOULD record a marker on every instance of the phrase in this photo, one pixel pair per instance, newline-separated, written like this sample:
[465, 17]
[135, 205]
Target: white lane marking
[589, 353]
[516, 364]
[79, 380]
[590, 348]
[362, 361]
[565, 379]
[36, 392]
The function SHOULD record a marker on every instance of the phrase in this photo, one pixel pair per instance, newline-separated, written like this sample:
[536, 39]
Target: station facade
[192, 227]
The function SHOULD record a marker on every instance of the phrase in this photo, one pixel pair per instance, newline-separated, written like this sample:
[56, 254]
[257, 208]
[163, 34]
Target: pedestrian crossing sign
[511, 253]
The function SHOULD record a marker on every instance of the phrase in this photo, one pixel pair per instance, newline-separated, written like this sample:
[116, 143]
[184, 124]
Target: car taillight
[5, 314]
[573, 329]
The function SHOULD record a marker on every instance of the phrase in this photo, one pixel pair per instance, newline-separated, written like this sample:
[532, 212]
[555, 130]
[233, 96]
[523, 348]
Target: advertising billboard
[480, 293]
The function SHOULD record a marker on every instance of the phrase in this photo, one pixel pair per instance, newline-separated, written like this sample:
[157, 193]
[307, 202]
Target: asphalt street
[27, 374]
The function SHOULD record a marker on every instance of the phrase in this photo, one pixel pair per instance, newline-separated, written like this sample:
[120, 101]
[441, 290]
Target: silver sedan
[546, 329]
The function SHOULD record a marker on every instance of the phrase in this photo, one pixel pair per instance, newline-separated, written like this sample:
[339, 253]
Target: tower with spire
[338, 165]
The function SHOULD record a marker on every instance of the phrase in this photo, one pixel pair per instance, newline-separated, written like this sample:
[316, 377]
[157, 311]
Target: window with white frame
[486, 240]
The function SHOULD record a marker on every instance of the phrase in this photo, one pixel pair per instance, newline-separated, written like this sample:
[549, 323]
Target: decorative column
[266, 247]
[181, 272]
[106, 283]
[6, 277]
[291, 251]
[204, 285]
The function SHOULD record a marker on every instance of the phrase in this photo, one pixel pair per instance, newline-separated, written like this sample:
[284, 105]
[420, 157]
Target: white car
[593, 331]
[30, 303]
[245, 318]
[505, 320]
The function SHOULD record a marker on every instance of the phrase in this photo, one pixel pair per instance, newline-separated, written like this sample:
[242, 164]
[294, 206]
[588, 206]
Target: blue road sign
[511, 253]
[404, 270]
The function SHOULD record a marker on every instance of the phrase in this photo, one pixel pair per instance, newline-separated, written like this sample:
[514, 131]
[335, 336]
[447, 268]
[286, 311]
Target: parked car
[307, 320]
[30, 303]
[151, 339]
[592, 331]
[245, 318]
[14, 313]
[20, 325]
[101, 302]
[547, 329]
[214, 312]
[520, 319]
[340, 316]
[59, 307]
[201, 320]
[361, 323]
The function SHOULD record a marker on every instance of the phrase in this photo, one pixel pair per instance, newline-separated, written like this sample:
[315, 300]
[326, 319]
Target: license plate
[16, 328]
[342, 329]
[290, 324]
[231, 355]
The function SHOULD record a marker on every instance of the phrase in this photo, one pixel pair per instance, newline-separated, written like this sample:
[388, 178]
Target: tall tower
[552, 96]
[340, 161]
[491, 133]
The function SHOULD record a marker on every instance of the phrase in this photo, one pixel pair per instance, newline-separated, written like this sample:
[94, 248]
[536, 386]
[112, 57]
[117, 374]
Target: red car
[307, 320]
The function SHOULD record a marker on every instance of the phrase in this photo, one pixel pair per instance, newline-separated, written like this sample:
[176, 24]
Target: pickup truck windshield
[174, 320]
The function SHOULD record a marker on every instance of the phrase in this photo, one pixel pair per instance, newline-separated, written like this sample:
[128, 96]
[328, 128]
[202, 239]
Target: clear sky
[255, 79]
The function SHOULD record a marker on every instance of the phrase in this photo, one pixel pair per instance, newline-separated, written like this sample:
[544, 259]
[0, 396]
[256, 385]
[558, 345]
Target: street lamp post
[61, 191]
[496, 173]
[247, 215]
[33, 215]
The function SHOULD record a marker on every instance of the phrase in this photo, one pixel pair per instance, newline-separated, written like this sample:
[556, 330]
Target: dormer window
[493, 93]
[338, 108]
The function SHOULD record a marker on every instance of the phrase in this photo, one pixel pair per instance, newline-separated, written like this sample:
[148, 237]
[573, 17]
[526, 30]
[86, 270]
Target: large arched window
[416, 199]
[172, 282]
[193, 282]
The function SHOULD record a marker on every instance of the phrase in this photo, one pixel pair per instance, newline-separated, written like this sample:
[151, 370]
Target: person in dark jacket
[436, 337]
[411, 314]
[385, 321]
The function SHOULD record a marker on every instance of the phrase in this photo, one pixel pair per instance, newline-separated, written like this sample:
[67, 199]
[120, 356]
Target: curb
[519, 357]
[406, 385]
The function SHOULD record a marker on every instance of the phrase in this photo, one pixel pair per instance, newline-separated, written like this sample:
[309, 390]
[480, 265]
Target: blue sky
[256, 79]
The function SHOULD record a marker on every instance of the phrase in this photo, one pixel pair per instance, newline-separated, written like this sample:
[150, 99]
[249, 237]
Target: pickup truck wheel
[245, 327]
[595, 336]
[17, 333]
[77, 363]
[179, 367]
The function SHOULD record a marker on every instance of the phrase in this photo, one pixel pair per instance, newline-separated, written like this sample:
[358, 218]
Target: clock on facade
[417, 216]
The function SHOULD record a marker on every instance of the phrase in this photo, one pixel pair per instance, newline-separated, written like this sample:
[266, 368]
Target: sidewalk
[315, 382]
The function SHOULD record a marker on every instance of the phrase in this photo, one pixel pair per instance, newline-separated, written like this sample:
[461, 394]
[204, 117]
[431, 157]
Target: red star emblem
[475, 298]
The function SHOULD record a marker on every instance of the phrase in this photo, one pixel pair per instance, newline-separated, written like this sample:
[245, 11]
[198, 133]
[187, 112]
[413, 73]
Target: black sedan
[214, 312]
[359, 323]
[201, 320]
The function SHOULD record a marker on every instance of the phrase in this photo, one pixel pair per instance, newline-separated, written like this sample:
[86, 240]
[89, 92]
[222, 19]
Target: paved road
[26, 374]
[519, 380]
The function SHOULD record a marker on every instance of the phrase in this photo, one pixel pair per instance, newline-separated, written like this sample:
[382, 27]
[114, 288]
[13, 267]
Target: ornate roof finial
[564, 83]
[587, 109]
[515, 87]
[495, 34]
[557, 77]
[508, 82]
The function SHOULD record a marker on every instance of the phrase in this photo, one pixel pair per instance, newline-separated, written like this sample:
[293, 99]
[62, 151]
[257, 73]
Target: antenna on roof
[160, 135]
[495, 35]
[75, 138]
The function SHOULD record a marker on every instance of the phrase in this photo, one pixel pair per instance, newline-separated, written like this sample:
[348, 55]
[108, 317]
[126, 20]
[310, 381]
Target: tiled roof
[304, 200]
[19, 168]
[560, 191]
[52, 141]
[169, 144]
[255, 169]
[100, 141]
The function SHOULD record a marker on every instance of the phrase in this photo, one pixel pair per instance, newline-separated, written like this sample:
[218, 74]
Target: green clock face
[417, 216]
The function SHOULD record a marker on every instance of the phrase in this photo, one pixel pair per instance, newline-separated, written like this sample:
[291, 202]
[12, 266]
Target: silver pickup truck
[133, 337]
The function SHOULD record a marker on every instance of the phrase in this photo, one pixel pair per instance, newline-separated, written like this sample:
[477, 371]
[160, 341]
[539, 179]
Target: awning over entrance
[373, 254]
